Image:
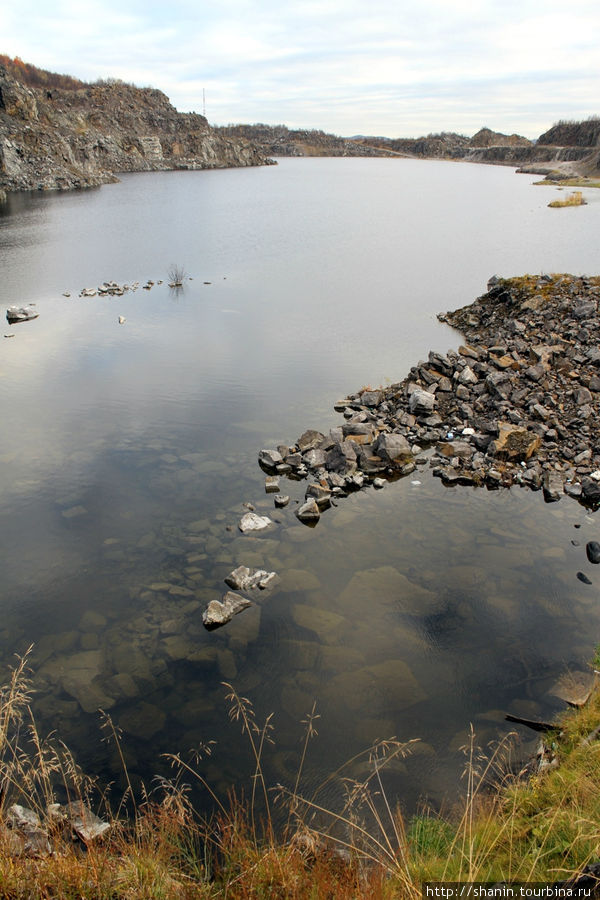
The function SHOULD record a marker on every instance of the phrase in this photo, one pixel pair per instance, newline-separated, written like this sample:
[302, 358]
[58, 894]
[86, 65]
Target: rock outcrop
[81, 136]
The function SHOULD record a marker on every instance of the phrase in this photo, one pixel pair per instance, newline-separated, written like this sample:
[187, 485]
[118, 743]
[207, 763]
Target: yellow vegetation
[574, 199]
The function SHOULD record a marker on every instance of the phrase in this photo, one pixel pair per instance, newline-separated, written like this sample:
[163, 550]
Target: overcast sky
[385, 67]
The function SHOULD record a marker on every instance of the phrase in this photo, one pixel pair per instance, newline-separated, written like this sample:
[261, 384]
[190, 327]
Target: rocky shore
[517, 404]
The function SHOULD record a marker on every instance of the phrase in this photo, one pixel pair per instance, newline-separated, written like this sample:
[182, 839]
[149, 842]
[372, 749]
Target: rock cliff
[56, 138]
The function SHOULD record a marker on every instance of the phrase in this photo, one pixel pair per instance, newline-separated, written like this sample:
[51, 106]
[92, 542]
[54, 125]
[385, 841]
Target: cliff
[80, 135]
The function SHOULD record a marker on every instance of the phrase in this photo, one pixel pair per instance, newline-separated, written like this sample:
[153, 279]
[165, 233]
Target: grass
[577, 181]
[276, 841]
[575, 198]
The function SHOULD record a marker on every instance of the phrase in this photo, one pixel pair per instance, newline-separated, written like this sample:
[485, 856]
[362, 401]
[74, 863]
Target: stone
[467, 376]
[322, 621]
[271, 484]
[252, 522]
[320, 493]
[309, 440]
[281, 500]
[392, 447]
[371, 398]
[370, 687]
[514, 442]
[583, 578]
[299, 580]
[245, 579]
[553, 486]
[309, 512]
[341, 458]
[461, 449]
[315, 459]
[270, 459]
[143, 720]
[87, 826]
[592, 550]
[421, 402]
[21, 313]
[219, 612]
[590, 489]
[385, 586]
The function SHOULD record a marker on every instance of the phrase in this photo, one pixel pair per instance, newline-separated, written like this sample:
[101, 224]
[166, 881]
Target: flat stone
[271, 484]
[281, 500]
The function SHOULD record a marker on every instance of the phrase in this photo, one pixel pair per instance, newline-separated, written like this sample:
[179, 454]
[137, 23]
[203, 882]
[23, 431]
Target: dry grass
[541, 829]
[576, 198]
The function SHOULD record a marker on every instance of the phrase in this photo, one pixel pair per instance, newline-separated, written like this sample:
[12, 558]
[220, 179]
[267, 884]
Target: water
[128, 450]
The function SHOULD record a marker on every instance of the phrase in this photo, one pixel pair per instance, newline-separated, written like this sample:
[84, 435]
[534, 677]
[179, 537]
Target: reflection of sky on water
[325, 275]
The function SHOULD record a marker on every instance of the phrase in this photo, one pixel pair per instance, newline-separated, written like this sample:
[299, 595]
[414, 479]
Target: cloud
[396, 68]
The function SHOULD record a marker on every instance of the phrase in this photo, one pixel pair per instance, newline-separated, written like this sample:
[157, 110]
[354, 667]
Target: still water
[128, 450]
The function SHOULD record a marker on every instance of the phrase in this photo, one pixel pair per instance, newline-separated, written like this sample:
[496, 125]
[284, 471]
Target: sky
[399, 68]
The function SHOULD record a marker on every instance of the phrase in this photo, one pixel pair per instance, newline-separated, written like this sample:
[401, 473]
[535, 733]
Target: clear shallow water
[127, 451]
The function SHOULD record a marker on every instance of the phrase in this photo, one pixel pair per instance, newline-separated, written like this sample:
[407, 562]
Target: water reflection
[130, 449]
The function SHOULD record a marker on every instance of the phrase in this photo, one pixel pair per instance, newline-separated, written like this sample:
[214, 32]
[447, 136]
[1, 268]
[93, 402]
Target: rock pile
[517, 404]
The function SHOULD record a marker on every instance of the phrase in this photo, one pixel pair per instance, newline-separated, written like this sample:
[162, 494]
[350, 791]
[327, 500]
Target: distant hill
[567, 144]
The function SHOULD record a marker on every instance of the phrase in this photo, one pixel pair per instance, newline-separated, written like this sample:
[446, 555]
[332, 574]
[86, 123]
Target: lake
[128, 451]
